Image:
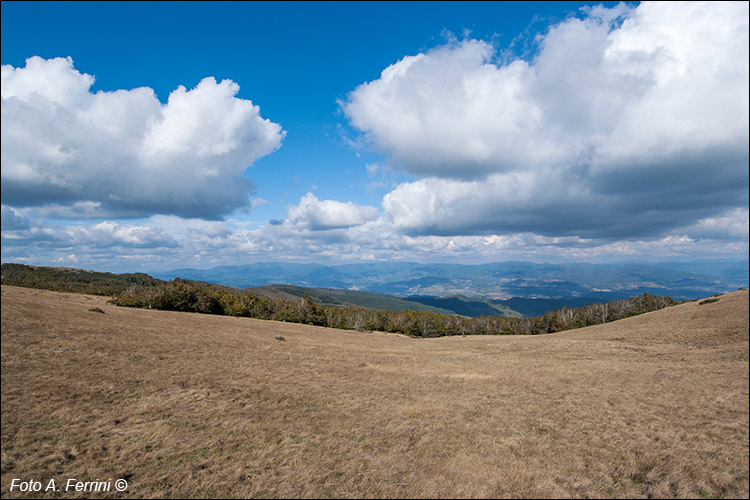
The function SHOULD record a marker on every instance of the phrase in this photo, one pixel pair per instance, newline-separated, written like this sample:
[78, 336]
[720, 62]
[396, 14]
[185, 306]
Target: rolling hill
[190, 405]
[344, 298]
[535, 296]
[497, 281]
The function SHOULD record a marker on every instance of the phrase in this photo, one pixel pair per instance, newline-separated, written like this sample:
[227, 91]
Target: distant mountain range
[464, 306]
[440, 285]
[512, 289]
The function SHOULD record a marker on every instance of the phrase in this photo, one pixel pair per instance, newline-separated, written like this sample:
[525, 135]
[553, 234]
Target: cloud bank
[628, 123]
[124, 152]
[624, 137]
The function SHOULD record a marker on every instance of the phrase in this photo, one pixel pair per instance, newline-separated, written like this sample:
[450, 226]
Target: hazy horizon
[124, 269]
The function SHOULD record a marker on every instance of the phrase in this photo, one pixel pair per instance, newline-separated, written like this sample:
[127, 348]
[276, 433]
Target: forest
[183, 295]
[141, 290]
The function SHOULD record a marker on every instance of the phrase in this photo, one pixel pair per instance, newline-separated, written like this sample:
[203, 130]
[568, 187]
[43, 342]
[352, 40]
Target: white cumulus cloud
[629, 122]
[125, 151]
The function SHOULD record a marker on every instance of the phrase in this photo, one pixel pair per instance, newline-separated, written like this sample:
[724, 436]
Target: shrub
[708, 301]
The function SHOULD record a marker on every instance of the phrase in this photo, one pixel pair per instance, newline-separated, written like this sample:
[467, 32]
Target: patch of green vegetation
[96, 310]
[346, 298]
[61, 279]
[140, 290]
[708, 301]
[466, 306]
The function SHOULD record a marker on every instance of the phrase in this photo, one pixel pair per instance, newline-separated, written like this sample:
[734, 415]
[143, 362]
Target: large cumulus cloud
[124, 151]
[629, 122]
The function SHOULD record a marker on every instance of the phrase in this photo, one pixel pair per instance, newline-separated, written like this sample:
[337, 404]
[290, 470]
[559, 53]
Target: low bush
[708, 301]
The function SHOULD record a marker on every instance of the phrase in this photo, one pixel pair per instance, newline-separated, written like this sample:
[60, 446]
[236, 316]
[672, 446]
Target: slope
[189, 405]
[334, 297]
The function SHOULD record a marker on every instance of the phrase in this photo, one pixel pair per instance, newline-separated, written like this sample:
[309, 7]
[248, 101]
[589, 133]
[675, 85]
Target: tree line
[142, 290]
[188, 296]
[63, 279]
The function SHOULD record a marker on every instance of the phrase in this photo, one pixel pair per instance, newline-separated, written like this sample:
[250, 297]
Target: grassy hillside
[333, 297]
[66, 279]
[470, 307]
[101, 283]
[191, 405]
[535, 307]
[499, 280]
[343, 309]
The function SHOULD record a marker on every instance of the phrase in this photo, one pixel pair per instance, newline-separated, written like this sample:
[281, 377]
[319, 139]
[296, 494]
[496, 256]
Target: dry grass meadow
[187, 405]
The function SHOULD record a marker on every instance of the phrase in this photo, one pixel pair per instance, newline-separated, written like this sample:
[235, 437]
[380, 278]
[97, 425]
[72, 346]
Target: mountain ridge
[118, 285]
[496, 281]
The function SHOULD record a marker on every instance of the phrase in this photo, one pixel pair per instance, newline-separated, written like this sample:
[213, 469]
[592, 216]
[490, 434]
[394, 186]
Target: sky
[146, 136]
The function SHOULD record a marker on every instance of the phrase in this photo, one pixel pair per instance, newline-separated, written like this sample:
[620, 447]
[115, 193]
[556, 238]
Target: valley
[192, 405]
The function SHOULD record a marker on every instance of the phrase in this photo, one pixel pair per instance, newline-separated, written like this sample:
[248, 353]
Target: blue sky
[223, 133]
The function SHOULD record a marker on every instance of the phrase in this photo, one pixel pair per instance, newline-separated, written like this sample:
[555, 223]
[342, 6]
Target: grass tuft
[708, 301]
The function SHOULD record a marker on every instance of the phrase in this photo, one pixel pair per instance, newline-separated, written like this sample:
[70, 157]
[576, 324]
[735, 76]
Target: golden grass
[187, 405]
